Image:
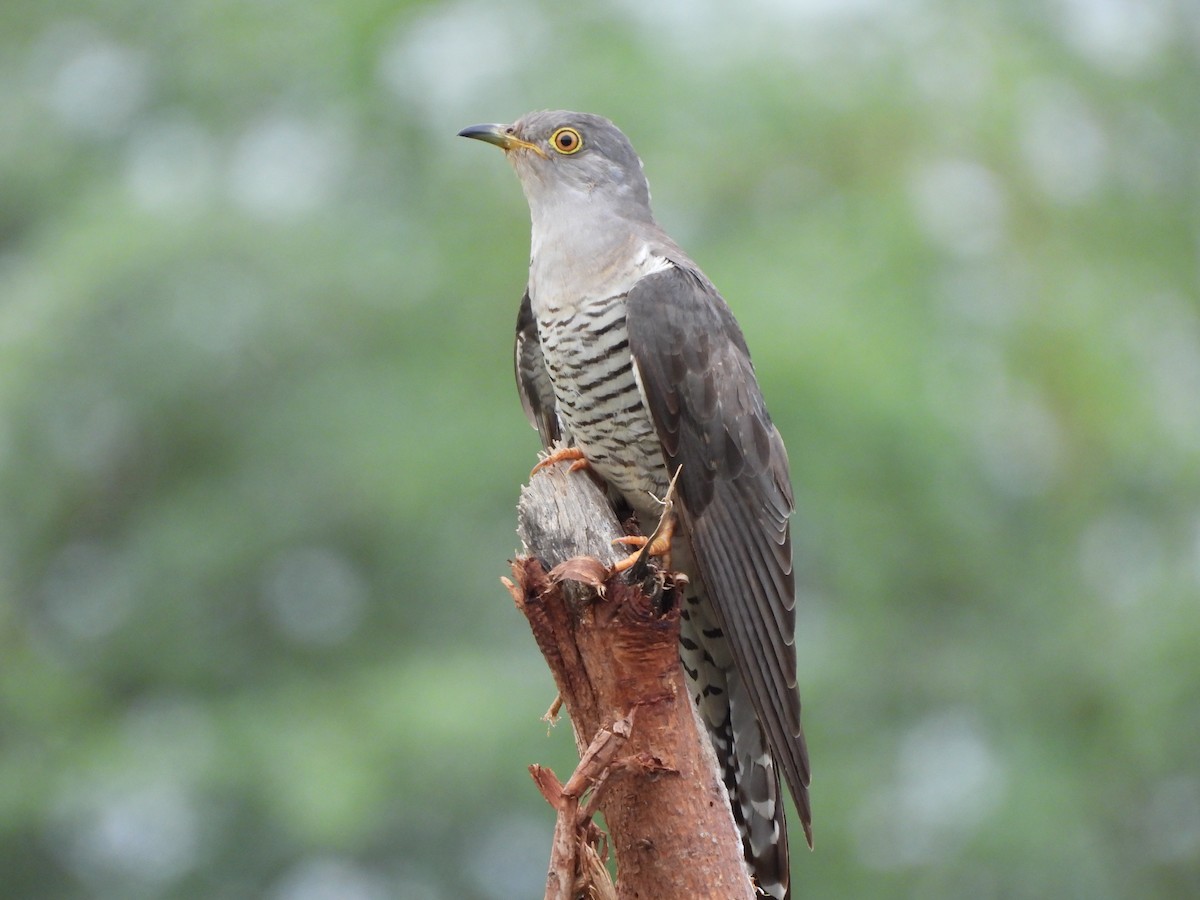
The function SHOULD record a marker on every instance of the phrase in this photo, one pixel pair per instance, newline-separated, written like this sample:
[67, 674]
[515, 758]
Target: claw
[659, 543]
[632, 540]
[562, 455]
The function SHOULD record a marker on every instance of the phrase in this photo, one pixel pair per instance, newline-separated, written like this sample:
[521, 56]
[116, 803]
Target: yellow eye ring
[566, 141]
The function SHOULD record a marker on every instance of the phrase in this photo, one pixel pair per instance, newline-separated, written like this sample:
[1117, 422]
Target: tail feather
[747, 769]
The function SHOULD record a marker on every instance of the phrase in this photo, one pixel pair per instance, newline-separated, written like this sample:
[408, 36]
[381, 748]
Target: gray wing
[533, 381]
[734, 493]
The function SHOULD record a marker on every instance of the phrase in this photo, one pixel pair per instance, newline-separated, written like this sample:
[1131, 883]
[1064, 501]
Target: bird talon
[659, 543]
[659, 546]
[562, 455]
[632, 540]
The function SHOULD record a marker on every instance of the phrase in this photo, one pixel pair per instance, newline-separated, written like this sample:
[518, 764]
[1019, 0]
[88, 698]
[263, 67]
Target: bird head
[569, 159]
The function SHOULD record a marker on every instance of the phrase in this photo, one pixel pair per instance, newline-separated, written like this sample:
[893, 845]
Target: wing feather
[533, 381]
[735, 493]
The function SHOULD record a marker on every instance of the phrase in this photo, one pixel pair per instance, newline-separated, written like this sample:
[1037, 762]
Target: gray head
[571, 162]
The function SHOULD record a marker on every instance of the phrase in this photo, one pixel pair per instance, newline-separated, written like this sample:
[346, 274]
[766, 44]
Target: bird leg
[659, 542]
[562, 454]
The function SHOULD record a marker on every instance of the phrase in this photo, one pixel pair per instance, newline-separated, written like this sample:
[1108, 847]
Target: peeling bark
[611, 643]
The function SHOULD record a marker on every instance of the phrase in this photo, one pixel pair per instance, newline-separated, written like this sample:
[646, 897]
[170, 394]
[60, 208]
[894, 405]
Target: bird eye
[566, 141]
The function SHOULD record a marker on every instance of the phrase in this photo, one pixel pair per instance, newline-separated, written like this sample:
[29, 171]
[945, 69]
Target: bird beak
[501, 137]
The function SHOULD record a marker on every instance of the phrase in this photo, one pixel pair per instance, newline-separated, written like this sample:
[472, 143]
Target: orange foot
[562, 455]
[658, 544]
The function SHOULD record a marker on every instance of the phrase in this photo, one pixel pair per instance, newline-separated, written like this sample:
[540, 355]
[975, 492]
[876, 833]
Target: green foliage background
[259, 447]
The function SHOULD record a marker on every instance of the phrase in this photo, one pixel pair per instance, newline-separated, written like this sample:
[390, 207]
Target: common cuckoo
[626, 352]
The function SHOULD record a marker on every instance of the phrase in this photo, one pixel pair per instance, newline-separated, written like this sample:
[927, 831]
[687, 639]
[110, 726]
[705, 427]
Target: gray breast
[586, 348]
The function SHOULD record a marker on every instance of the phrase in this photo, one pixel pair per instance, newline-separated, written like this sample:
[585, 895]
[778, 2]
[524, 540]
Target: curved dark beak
[501, 136]
[492, 134]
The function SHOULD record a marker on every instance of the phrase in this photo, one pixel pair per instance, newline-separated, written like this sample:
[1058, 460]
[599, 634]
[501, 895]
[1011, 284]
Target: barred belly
[586, 349]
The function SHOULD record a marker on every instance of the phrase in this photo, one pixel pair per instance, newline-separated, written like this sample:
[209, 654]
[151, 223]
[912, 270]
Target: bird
[628, 355]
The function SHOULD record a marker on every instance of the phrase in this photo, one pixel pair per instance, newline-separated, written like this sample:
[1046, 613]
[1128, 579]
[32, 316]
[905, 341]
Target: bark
[611, 643]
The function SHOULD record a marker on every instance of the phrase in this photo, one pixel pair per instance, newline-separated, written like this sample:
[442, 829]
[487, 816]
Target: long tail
[747, 768]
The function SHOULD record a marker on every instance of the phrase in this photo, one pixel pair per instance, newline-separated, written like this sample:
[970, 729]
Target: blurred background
[260, 448]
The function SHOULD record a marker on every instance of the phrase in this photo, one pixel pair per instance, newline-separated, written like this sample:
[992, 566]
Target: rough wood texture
[613, 650]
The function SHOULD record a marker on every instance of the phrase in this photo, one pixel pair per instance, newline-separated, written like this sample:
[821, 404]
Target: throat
[570, 273]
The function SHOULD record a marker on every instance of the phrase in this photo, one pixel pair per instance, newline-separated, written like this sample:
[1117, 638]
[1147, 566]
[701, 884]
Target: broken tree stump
[612, 647]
